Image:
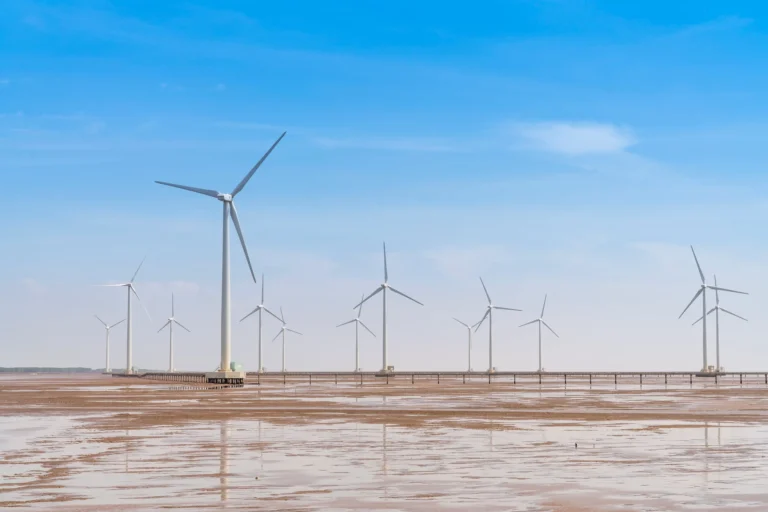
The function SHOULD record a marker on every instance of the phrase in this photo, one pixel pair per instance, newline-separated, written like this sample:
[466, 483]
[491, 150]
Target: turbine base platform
[708, 374]
[233, 378]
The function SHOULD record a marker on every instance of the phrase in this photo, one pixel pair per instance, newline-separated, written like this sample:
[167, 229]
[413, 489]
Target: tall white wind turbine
[383, 287]
[717, 309]
[261, 307]
[703, 292]
[469, 342]
[172, 320]
[358, 323]
[131, 288]
[282, 331]
[108, 327]
[228, 205]
[541, 322]
[489, 315]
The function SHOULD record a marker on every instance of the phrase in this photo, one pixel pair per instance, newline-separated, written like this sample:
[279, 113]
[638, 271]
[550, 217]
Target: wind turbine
[717, 309]
[541, 321]
[172, 320]
[107, 328]
[129, 335]
[228, 204]
[261, 307]
[358, 323]
[489, 315]
[703, 292]
[469, 346]
[282, 332]
[383, 288]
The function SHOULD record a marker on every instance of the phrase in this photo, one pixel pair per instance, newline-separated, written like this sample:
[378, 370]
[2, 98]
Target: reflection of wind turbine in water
[224, 459]
[717, 309]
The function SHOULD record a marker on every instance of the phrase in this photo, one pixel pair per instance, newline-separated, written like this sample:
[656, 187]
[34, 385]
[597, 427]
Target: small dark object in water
[575, 445]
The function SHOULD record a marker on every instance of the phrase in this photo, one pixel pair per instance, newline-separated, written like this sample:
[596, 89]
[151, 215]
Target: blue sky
[570, 148]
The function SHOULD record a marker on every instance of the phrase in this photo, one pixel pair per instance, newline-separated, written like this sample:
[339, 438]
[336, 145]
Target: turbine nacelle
[225, 198]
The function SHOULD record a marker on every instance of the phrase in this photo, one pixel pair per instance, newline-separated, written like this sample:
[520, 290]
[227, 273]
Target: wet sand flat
[99, 443]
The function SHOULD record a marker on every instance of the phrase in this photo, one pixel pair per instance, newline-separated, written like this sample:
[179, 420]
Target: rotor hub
[226, 198]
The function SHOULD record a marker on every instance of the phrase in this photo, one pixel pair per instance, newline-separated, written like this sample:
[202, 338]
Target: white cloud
[572, 138]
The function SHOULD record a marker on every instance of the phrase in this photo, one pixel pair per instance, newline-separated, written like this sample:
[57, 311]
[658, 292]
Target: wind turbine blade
[166, 324]
[717, 292]
[716, 288]
[277, 335]
[173, 307]
[205, 192]
[462, 323]
[271, 313]
[544, 306]
[697, 321]
[347, 323]
[386, 274]
[366, 328]
[142, 304]
[712, 310]
[179, 324]
[252, 312]
[255, 168]
[236, 221]
[698, 266]
[116, 324]
[550, 329]
[360, 307]
[262, 288]
[486, 290]
[294, 332]
[111, 285]
[404, 295]
[377, 290]
[506, 309]
[478, 324]
[733, 314]
[529, 323]
[282, 316]
[137, 270]
[102, 321]
[692, 301]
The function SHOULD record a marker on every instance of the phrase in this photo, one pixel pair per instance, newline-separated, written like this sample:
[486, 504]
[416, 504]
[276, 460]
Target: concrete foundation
[237, 378]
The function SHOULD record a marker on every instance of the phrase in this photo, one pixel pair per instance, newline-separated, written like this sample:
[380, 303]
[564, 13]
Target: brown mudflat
[101, 443]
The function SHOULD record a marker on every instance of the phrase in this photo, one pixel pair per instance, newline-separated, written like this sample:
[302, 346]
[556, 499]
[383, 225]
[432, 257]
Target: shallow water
[79, 458]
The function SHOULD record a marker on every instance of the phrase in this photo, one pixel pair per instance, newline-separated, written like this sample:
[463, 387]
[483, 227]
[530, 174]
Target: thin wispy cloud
[572, 138]
[425, 144]
[721, 24]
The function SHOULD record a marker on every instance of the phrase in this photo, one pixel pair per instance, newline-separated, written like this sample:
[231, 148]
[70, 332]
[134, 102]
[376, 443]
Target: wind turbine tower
[717, 309]
[172, 320]
[282, 331]
[489, 315]
[541, 322]
[261, 307]
[469, 342]
[108, 328]
[383, 287]
[131, 289]
[703, 292]
[229, 210]
[358, 323]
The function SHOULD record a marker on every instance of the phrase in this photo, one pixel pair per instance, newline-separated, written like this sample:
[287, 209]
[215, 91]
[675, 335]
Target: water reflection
[224, 459]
